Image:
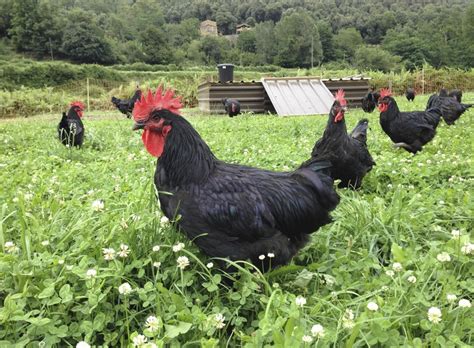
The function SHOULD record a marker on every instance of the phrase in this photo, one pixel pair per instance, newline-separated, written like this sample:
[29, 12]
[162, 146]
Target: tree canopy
[291, 33]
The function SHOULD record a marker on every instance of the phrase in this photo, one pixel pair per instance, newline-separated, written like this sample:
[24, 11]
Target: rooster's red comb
[79, 104]
[157, 101]
[340, 97]
[385, 92]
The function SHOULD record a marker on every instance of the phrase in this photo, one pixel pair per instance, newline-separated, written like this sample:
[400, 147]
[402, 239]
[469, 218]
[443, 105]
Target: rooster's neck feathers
[186, 158]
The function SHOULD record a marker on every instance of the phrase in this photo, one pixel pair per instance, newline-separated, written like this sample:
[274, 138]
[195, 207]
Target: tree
[346, 42]
[214, 49]
[155, 46]
[84, 41]
[327, 41]
[375, 58]
[35, 28]
[226, 22]
[266, 47]
[247, 41]
[295, 35]
[410, 48]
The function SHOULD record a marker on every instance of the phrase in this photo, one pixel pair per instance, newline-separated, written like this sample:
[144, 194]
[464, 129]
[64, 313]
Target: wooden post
[423, 80]
[88, 104]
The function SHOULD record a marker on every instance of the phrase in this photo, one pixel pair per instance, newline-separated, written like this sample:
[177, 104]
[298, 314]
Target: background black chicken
[369, 102]
[410, 130]
[125, 106]
[456, 94]
[228, 210]
[451, 108]
[410, 94]
[70, 128]
[231, 106]
[348, 154]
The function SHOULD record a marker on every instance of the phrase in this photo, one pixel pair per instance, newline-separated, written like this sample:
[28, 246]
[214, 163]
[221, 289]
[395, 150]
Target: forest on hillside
[375, 34]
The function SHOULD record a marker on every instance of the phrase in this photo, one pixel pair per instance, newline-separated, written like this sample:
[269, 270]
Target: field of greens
[63, 210]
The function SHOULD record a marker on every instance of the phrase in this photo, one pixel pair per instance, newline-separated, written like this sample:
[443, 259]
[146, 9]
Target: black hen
[369, 102]
[451, 108]
[125, 106]
[348, 154]
[71, 128]
[228, 210]
[410, 94]
[456, 94]
[410, 130]
[231, 106]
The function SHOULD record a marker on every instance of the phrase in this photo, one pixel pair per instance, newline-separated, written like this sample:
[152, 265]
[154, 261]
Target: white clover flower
[183, 262]
[271, 255]
[317, 331]
[61, 262]
[91, 273]
[139, 341]
[210, 265]
[441, 202]
[82, 344]
[124, 251]
[125, 289]
[307, 339]
[464, 303]
[261, 257]
[390, 273]
[437, 228]
[348, 319]
[164, 220]
[451, 297]
[10, 247]
[300, 301]
[69, 267]
[411, 279]
[434, 315]
[98, 205]
[455, 234]
[28, 196]
[45, 243]
[467, 248]
[109, 254]
[443, 257]
[219, 320]
[152, 323]
[157, 264]
[156, 248]
[178, 247]
[372, 306]
[397, 267]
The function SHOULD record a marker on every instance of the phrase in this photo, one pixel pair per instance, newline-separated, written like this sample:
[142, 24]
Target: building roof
[298, 95]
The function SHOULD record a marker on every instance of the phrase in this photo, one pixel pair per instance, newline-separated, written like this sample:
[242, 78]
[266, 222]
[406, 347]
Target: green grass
[406, 210]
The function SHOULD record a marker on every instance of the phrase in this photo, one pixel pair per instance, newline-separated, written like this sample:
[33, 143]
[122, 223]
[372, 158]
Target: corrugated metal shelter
[355, 88]
[251, 95]
[298, 95]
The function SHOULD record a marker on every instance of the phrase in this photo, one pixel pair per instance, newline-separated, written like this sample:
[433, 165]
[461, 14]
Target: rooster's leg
[404, 145]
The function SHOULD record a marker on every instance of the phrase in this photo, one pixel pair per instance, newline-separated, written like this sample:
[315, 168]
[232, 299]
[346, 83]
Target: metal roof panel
[298, 95]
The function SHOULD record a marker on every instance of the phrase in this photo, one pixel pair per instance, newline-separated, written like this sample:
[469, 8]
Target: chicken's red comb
[79, 104]
[340, 97]
[385, 92]
[157, 101]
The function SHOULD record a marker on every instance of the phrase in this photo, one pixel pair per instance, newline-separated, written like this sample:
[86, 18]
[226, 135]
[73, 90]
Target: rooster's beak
[138, 125]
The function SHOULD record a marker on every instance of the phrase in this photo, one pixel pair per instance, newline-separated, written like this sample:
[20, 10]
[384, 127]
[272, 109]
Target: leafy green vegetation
[288, 33]
[62, 207]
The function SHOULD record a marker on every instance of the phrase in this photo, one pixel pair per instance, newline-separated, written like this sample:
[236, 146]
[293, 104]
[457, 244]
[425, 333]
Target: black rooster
[451, 108]
[70, 128]
[410, 94]
[410, 130]
[231, 106]
[348, 154]
[228, 210]
[125, 106]
[369, 102]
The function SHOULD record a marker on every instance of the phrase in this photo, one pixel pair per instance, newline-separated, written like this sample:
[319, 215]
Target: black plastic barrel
[226, 72]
